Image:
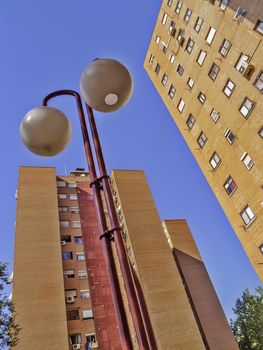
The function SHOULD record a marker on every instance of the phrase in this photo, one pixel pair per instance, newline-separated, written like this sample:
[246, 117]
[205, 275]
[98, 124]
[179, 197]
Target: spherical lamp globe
[106, 85]
[45, 131]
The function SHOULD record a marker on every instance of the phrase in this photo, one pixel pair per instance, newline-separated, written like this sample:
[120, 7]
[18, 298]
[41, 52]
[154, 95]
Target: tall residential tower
[205, 60]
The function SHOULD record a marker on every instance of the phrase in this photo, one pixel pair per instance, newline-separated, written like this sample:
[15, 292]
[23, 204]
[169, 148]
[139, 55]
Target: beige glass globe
[45, 131]
[106, 85]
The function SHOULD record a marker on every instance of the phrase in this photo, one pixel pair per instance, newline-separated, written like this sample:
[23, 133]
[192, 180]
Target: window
[63, 223]
[73, 197]
[210, 35]
[169, 3]
[172, 30]
[180, 69]
[171, 91]
[72, 315]
[259, 27]
[247, 215]
[82, 274]
[62, 196]
[151, 59]
[72, 184]
[190, 45]
[201, 57]
[84, 294]
[214, 70]
[258, 83]
[80, 256]
[187, 15]
[178, 7]
[157, 39]
[91, 338]
[242, 63]
[229, 88]
[261, 248]
[225, 47]
[63, 209]
[61, 183]
[164, 47]
[157, 69]
[74, 210]
[198, 24]
[229, 136]
[201, 97]
[181, 105]
[215, 115]
[87, 314]
[247, 160]
[190, 121]
[190, 83]
[246, 107]
[223, 4]
[261, 132]
[75, 339]
[164, 19]
[67, 255]
[180, 35]
[240, 14]
[65, 238]
[202, 139]
[78, 239]
[230, 186]
[69, 273]
[164, 79]
[172, 58]
[215, 160]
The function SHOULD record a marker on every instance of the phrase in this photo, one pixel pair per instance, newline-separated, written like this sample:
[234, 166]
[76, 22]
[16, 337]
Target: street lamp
[106, 85]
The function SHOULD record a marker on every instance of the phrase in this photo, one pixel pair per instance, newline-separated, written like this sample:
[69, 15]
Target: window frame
[259, 78]
[62, 195]
[61, 183]
[258, 24]
[223, 4]
[247, 160]
[230, 186]
[228, 133]
[157, 68]
[189, 45]
[198, 26]
[151, 59]
[178, 7]
[190, 80]
[243, 106]
[187, 15]
[201, 57]
[225, 47]
[215, 161]
[247, 211]
[171, 91]
[180, 69]
[213, 73]
[164, 79]
[80, 254]
[164, 18]
[227, 88]
[260, 132]
[210, 35]
[201, 97]
[181, 105]
[215, 113]
[202, 139]
[190, 122]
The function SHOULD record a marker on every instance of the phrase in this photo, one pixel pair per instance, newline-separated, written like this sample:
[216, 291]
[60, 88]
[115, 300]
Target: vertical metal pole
[139, 312]
[106, 244]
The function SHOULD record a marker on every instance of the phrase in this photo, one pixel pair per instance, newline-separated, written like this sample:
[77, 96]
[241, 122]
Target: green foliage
[248, 323]
[9, 329]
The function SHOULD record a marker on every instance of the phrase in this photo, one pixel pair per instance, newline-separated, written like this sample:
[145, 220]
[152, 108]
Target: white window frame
[63, 223]
[190, 45]
[172, 58]
[76, 224]
[201, 57]
[215, 161]
[164, 18]
[201, 97]
[82, 274]
[72, 184]
[213, 72]
[62, 196]
[210, 35]
[215, 116]
[172, 91]
[259, 27]
[225, 47]
[190, 83]
[246, 107]
[80, 256]
[87, 314]
[258, 83]
[85, 293]
[157, 39]
[247, 160]
[181, 105]
[61, 183]
[178, 7]
[63, 209]
[223, 4]
[187, 15]
[243, 59]
[190, 122]
[198, 24]
[151, 59]
[247, 215]
[74, 210]
[229, 88]
[202, 139]
[230, 136]
[164, 79]
[169, 3]
[230, 186]
[73, 197]
[69, 272]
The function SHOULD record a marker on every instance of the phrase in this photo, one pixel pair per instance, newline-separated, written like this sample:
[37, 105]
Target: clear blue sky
[45, 45]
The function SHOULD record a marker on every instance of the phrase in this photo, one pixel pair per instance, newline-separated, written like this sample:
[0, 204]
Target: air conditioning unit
[94, 345]
[172, 31]
[63, 242]
[70, 299]
[76, 346]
